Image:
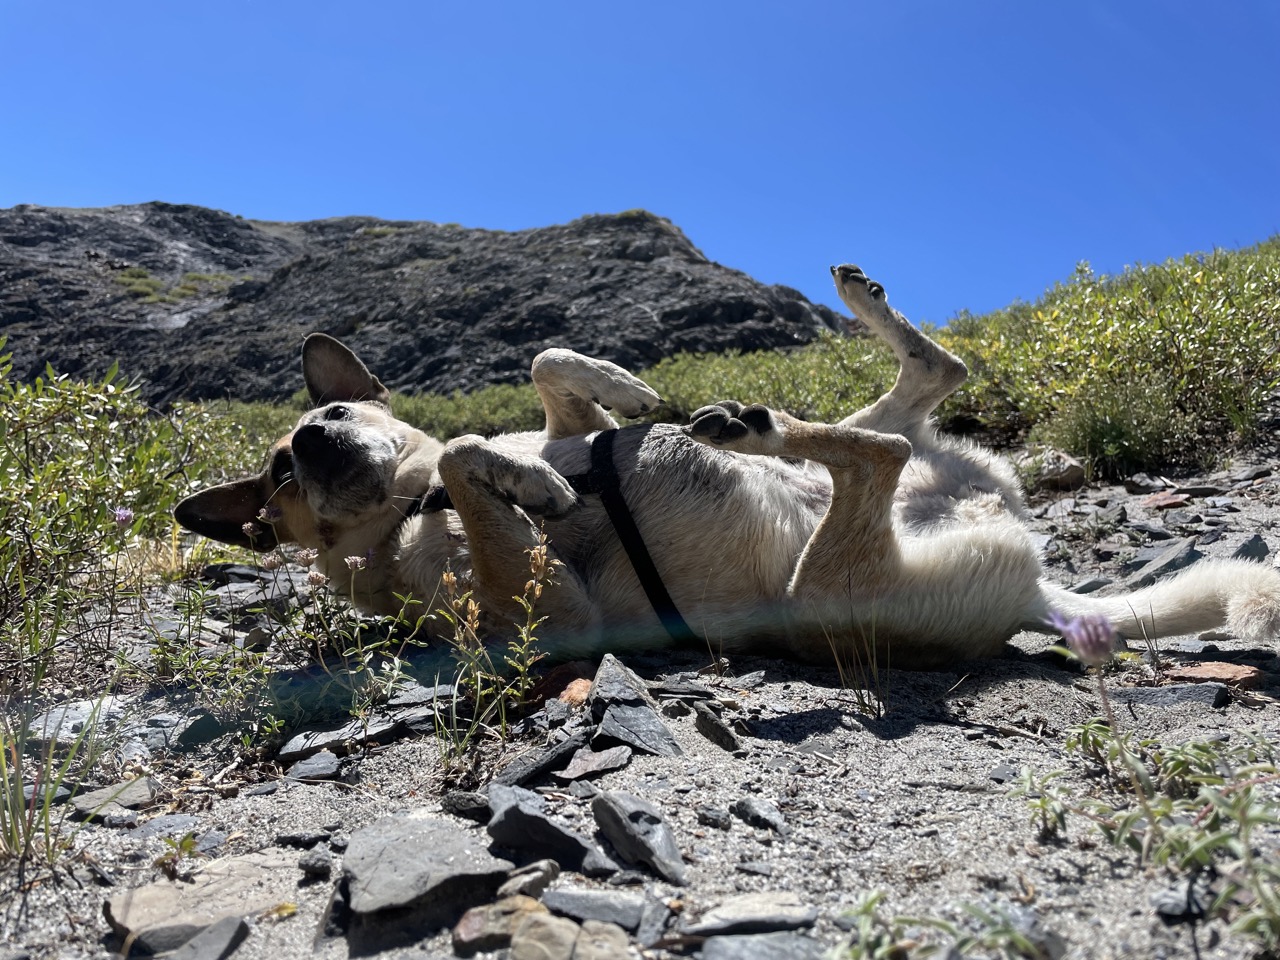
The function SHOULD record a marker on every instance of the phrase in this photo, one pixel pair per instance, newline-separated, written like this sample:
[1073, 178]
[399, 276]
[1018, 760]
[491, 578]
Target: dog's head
[339, 481]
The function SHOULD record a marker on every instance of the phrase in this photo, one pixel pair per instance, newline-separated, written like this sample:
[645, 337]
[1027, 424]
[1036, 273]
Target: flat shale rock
[409, 875]
[638, 832]
[164, 915]
[765, 912]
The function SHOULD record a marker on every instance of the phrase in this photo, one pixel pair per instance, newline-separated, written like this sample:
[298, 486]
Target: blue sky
[966, 154]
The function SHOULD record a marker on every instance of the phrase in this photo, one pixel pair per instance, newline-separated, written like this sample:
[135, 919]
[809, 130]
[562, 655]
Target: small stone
[764, 912]
[1255, 548]
[592, 763]
[637, 831]
[1238, 675]
[316, 864]
[710, 816]
[316, 768]
[1166, 501]
[543, 937]
[756, 868]
[623, 909]
[1175, 557]
[601, 941]
[1002, 773]
[531, 880]
[490, 926]
[763, 946]
[302, 839]
[1204, 694]
[715, 729]
[467, 805]
[215, 942]
[756, 812]
[101, 806]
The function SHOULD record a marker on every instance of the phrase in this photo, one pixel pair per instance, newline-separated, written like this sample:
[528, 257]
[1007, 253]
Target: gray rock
[381, 730]
[765, 912]
[1255, 548]
[168, 825]
[591, 763]
[99, 806]
[491, 926]
[710, 816]
[314, 769]
[1090, 584]
[215, 942]
[757, 812]
[530, 880]
[467, 805]
[316, 864]
[637, 831]
[623, 909]
[714, 729]
[70, 722]
[544, 937]
[407, 876]
[1174, 557]
[1205, 694]
[620, 704]
[601, 941]
[532, 766]
[1151, 530]
[166, 914]
[763, 946]
[1002, 773]
[520, 824]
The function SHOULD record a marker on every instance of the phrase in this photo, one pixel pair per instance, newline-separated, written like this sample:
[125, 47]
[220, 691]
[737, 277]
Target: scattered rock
[467, 805]
[491, 925]
[164, 915]
[316, 864]
[601, 941]
[1166, 501]
[637, 831]
[530, 767]
[1002, 773]
[409, 875]
[215, 942]
[1238, 675]
[710, 816]
[316, 768]
[763, 946]
[544, 937]
[1140, 483]
[765, 912]
[519, 823]
[99, 806]
[531, 880]
[1054, 470]
[625, 713]
[1204, 694]
[1255, 548]
[622, 909]
[1180, 554]
[591, 763]
[756, 812]
[715, 729]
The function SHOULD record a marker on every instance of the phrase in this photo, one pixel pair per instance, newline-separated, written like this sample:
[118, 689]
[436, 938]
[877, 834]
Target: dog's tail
[1239, 596]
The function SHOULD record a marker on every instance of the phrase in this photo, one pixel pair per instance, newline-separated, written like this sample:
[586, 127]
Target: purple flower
[356, 563]
[123, 517]
[1092, 638]
[251, 529]
[270, 513]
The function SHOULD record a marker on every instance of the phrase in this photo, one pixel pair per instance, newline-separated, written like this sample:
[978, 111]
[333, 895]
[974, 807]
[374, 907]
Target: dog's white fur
[874, 536]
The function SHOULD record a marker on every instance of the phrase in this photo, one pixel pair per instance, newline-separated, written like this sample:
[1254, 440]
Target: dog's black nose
[310, 441]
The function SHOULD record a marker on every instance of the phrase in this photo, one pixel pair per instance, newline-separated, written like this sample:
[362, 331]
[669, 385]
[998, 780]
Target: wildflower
[317, 579]
[270, 513]
[271, 561]
[1091, 638]
[356, 563]
[123, 517]
[305, 556]
[251, 529]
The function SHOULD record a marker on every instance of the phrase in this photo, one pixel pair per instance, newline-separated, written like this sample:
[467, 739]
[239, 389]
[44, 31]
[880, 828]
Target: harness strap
[601, 478]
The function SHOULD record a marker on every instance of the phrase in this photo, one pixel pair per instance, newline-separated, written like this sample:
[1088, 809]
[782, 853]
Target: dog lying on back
[873, 536]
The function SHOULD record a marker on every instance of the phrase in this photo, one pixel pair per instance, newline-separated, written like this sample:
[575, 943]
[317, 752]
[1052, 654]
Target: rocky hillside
[203, 304]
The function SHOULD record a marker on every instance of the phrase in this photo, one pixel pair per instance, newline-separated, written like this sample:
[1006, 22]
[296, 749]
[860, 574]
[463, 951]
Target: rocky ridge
[204, 304]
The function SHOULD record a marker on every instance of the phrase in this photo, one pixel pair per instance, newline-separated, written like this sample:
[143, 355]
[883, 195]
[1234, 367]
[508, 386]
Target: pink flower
[356, 563]
[123, 516]
[1091, 638]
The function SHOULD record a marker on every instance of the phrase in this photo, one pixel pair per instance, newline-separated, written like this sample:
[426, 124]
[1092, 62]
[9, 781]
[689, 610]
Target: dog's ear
[333, 373]
[225, 513]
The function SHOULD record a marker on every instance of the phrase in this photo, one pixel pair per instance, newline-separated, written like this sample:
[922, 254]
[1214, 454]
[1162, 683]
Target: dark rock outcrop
[204, 304]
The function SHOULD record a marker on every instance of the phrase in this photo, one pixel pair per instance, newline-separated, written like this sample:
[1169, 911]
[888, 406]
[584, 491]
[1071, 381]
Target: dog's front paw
[729, 424]
[541, 492]
[620, 391]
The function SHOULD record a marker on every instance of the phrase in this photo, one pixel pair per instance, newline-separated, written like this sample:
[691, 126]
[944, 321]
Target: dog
[874, 538]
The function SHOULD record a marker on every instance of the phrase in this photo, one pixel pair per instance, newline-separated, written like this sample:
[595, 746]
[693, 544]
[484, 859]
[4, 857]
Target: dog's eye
[338, 413]
[281, 467]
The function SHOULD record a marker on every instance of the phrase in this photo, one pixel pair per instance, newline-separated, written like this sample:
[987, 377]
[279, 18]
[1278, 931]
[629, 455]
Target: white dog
[873, 536]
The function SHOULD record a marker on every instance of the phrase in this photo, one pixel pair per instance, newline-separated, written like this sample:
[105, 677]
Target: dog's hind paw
[602, 382]
[732, 426]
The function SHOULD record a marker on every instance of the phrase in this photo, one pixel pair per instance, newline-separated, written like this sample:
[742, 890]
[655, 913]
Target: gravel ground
[910, 797]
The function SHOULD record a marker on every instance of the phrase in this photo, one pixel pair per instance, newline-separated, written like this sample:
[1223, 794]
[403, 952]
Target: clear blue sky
[966, 154]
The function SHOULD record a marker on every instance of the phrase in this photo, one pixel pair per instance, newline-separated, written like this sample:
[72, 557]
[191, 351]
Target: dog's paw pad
[727, 421]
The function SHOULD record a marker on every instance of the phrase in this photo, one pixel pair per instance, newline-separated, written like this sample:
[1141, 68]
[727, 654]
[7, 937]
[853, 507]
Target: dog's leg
[486, 484]
[576, 391]
[928, 374]
[854, 547]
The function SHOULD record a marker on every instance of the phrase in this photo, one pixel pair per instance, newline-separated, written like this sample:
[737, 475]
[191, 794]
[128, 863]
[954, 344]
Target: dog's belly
[724, 531]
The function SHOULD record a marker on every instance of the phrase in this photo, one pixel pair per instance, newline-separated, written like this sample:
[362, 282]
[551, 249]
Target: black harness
[602, 479]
